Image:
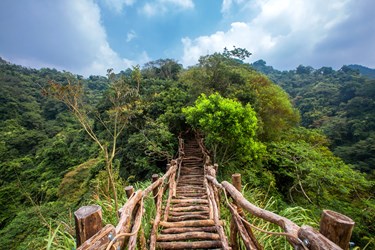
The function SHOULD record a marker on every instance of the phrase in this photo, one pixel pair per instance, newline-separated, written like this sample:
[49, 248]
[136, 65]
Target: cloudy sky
[89, 36]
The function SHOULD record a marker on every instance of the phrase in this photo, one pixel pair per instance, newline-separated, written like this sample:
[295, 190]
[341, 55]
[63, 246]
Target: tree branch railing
[304, 237]
[335, 229]
[129, 224]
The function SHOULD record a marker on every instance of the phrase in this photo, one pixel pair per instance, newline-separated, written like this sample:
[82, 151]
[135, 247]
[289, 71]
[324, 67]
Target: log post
[236, 181]
[88, 220]
[336, 227]
[216, 167]
[129, 190]
[155, 177]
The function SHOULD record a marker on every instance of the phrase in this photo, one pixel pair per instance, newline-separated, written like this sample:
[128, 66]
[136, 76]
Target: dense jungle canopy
[303, 137]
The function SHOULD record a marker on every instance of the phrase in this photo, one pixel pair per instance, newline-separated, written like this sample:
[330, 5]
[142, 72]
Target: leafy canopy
[227, 126]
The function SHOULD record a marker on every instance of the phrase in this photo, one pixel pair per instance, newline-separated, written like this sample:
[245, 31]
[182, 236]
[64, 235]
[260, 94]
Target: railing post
[236, 181]
[336, 227]
[88, 220]
[216, 167]
[155, 177]
[129, 190]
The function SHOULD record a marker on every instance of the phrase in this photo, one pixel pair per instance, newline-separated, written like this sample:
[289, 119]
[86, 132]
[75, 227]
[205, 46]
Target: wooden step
[188, 236]
[190, 223]
[182, 213]
[188, 229]
[189, 208]
[187, 217]
[194, 201]
[189, 245]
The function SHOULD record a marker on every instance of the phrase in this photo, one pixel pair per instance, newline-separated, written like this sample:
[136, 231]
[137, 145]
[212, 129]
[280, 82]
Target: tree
[114, 118]
[240, 53]
[229, 127]
[136, 76]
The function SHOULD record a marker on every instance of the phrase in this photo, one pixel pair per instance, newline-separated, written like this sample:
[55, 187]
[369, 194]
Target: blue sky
[89, 36]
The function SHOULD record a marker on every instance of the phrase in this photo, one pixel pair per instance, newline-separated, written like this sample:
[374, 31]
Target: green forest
[302, 139]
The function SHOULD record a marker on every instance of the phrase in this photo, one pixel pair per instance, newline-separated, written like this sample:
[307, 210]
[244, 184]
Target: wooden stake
[88, 220]
[129, 190]
[236, 181]
[336, 227]
[155, 177]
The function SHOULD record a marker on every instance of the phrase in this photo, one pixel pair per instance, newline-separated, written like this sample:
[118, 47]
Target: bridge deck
[188, 224]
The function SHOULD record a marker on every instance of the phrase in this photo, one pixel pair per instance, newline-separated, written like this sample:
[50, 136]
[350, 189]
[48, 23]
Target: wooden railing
[90, 235]
[335, 229]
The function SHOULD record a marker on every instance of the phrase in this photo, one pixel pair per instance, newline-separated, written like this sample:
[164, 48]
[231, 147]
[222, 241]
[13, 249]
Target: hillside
[364, 71]
[51, 164]
[340, 103]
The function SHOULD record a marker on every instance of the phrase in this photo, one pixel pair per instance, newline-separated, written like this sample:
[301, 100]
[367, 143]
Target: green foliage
[307, 172]
[239, 53]
[338, 102]
[229, 128]
[238, 81]
[49, 166]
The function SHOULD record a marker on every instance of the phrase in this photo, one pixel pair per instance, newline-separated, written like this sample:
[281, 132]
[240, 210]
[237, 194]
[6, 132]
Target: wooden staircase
[188, 224]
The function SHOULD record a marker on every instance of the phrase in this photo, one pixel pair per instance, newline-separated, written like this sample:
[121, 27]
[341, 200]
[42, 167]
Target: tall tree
[114, 119]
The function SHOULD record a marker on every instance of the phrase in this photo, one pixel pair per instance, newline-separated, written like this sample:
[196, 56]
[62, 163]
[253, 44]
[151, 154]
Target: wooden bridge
[187, 203]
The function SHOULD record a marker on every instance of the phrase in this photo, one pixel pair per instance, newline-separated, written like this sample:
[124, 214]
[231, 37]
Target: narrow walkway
[188, 224]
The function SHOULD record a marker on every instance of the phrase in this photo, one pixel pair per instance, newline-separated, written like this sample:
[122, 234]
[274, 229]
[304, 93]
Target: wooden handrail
[111, 235]
[303, 237]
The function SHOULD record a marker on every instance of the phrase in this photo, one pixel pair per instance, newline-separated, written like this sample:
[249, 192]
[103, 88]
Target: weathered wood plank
[189, 245]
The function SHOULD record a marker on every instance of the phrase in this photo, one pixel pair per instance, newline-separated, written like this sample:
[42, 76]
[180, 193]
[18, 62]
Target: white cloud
[281, 32]
[228, 4]
[161, 7]
[63, 34]
[118, 5]
[130, 36]
[84, 18]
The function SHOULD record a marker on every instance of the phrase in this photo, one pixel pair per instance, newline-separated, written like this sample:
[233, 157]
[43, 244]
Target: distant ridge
[2, 61]
[365, 71]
